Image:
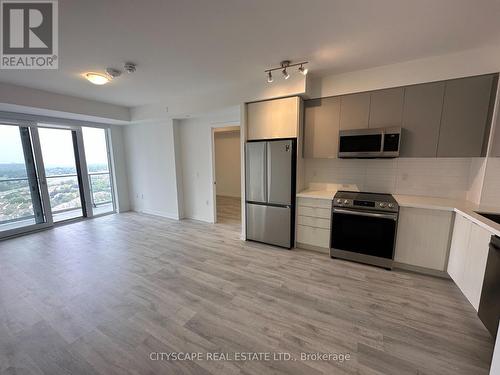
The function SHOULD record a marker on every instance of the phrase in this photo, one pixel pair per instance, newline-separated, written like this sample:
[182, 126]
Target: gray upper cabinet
[354, 111]
[465, 117]
[421, 119]
[321, 127]
[386, 108]
[438, 119]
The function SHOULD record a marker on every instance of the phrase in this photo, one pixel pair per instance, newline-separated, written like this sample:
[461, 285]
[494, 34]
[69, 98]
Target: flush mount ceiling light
[97, 78]
[110, 73]
[284, 66]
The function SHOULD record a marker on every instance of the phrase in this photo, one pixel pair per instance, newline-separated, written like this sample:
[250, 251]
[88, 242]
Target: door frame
[218, 128]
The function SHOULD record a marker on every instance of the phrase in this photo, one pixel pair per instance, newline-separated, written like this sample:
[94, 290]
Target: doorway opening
[227, 173]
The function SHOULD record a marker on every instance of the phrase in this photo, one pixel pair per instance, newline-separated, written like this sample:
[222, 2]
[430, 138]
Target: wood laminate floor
[99, 296]
[229, 211]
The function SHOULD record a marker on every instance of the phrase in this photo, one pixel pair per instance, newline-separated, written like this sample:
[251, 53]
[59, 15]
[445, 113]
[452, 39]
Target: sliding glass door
[20, 194]
[52, 173]
[62, 173]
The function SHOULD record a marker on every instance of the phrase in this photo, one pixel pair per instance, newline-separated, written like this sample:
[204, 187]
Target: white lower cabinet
[316, 222]
[313, 224]
[468, 256]
[313, 236]
[423, 237]
[458, 249]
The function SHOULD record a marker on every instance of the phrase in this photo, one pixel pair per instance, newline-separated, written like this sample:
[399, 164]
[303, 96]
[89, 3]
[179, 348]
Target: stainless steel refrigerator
[270, 191]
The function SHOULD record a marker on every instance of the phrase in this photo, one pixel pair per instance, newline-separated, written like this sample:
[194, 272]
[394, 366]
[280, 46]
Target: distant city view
[62, 183]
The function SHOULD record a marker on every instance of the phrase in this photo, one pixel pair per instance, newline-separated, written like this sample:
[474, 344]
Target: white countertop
[318, 194]
[465, 208]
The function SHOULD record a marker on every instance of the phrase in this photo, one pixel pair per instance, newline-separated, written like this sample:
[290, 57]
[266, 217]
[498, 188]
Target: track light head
[269, 77]
[286, 75]
[303, 70]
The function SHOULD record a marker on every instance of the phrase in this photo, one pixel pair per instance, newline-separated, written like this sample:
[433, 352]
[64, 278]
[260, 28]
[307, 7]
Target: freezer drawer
[279, 172]
[256, 171]
[269, 224]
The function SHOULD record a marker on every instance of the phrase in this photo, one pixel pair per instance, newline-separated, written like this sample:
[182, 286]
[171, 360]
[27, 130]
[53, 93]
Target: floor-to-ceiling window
[98, 169]
[52, 173]
[20, 199]
[61, 173]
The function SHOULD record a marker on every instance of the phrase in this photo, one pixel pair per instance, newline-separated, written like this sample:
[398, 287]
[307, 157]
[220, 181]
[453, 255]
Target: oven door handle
[363, 213]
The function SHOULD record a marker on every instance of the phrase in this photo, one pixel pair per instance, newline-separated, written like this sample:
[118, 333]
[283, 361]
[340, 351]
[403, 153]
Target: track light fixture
[284, 65]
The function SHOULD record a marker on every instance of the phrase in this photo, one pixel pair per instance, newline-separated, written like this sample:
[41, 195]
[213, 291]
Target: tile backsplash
[437, 177]
[491, 187]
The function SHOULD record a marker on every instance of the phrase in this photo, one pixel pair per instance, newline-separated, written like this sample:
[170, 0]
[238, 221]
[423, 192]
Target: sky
[57, 146]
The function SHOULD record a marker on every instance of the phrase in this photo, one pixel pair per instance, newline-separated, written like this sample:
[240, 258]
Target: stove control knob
[339, 201]
[346, 201]
[391, 205]
[381, 205]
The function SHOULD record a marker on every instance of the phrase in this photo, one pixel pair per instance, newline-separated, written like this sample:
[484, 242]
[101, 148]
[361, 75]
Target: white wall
[117, 150]
[195, 138]
[151, 168]
[227, 163]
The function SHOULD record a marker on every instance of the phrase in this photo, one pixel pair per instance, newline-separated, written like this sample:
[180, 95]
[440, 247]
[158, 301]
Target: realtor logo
[29, 34]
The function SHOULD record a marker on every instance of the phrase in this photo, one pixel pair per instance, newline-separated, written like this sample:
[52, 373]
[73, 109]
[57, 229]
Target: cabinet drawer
[314, 222]
[314, 212]
[313, 202]
[313, 236]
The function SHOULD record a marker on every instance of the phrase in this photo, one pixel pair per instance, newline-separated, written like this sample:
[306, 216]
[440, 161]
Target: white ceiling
[197, 46]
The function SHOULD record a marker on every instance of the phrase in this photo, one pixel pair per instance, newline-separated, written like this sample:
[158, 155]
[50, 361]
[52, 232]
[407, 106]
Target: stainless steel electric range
[364, 227]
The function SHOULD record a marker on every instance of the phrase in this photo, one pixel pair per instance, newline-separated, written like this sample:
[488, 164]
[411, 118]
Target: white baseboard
[198, 218]
[422, 270]
[159, 213]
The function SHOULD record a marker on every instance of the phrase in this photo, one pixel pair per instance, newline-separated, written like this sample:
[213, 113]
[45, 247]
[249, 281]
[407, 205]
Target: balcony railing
[23, 193]
[93, 176]
[73, 190]
[98, 180]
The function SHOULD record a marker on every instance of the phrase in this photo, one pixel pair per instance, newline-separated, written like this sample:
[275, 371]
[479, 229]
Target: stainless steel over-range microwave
[369, 143]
